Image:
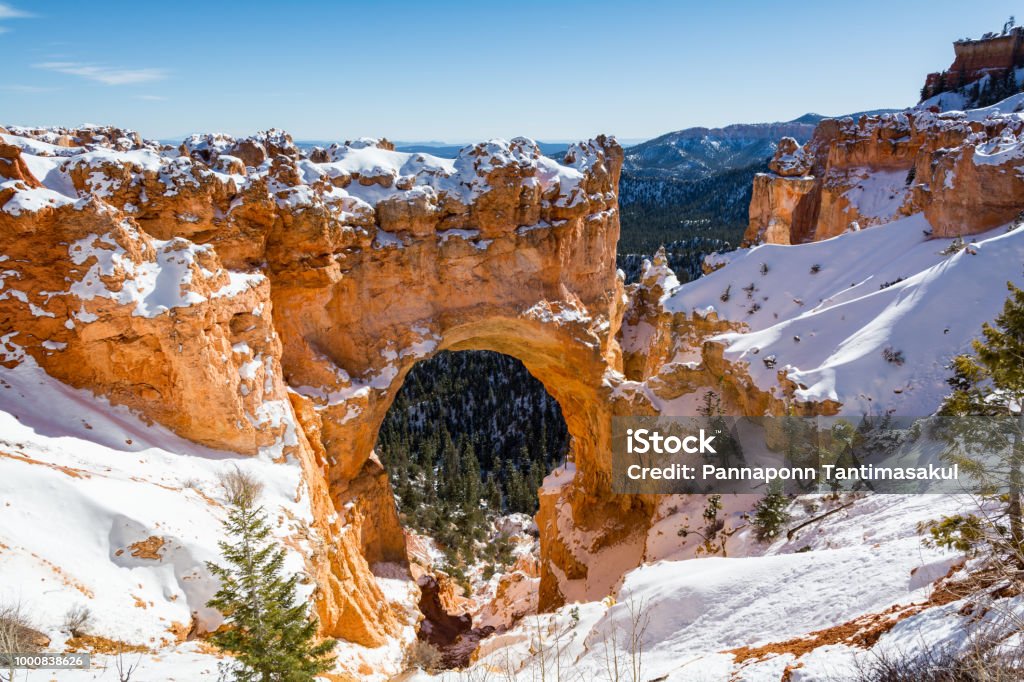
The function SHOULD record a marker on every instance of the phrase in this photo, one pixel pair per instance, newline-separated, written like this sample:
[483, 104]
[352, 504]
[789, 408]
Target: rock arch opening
[466, 443]
[469, 431]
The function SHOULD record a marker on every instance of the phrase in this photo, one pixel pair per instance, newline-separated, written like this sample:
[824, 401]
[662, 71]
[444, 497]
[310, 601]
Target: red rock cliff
[991, 55]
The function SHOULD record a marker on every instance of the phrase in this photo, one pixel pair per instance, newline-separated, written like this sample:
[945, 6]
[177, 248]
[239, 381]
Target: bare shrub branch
[241, 489]
[77, 620]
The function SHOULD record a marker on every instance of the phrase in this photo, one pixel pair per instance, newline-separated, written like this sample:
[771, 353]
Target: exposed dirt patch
[864, 631]
[21, 457]
[148, 548]
[103, 645]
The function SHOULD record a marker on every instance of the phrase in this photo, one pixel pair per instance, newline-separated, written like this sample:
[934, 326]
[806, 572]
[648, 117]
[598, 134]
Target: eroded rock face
[782, 209]
[12, 166]
[159, 326]
[790, 159]
[981, 185]
[959, 169]
[230, 289]
[992, 55]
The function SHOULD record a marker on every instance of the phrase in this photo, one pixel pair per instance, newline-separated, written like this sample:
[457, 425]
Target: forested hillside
[701, 152]
[690, 217]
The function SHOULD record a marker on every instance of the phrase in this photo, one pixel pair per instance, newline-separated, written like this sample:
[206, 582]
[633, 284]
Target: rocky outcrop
[782, 209]
[674, 355]
[12, 166]
[977, 185]
[991, 55]
[645, 343]
[857, 174]
[230, 289]
[790, 159]
[157, 325]
[445, 624]
[111, 137]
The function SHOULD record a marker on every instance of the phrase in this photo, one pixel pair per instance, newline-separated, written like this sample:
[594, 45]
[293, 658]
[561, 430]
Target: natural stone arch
[570, 369]
[304, 288]
[519, 275]
[568, 362]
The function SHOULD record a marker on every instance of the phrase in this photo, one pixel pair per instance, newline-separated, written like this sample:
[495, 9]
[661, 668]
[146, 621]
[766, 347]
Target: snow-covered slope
[98, 509]
[826, 312]
[797, 604]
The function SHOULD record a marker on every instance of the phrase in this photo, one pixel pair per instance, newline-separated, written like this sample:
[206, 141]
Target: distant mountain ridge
[698, 152]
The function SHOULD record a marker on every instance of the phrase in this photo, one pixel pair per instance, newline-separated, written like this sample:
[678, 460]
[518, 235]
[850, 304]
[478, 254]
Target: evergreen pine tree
[269, 631]
[542, 435]
[985, 93]
[471, 478]
[727, 446]
[492, 493]
[990, 383]
[516, 487]
[450, 488]
[1009, 83]
[770, 515]
[523, 458]
[429, 485]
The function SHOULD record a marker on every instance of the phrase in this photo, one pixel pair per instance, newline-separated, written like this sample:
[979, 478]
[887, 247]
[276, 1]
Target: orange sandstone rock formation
[959, 169]
[991, 55]
[259, 299]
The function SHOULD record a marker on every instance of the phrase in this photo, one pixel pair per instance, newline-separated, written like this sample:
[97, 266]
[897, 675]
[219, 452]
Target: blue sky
[459, 71]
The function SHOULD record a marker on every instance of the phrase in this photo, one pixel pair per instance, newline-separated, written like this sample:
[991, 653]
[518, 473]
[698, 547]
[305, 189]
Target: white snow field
[828, 310]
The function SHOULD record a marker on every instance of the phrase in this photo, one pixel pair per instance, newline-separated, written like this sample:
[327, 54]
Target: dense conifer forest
[471, 435]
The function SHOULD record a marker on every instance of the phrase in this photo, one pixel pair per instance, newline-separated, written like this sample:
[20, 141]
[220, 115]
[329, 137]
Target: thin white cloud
[9, 12]
[108, 75]
[26, 88]
[151, 98]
